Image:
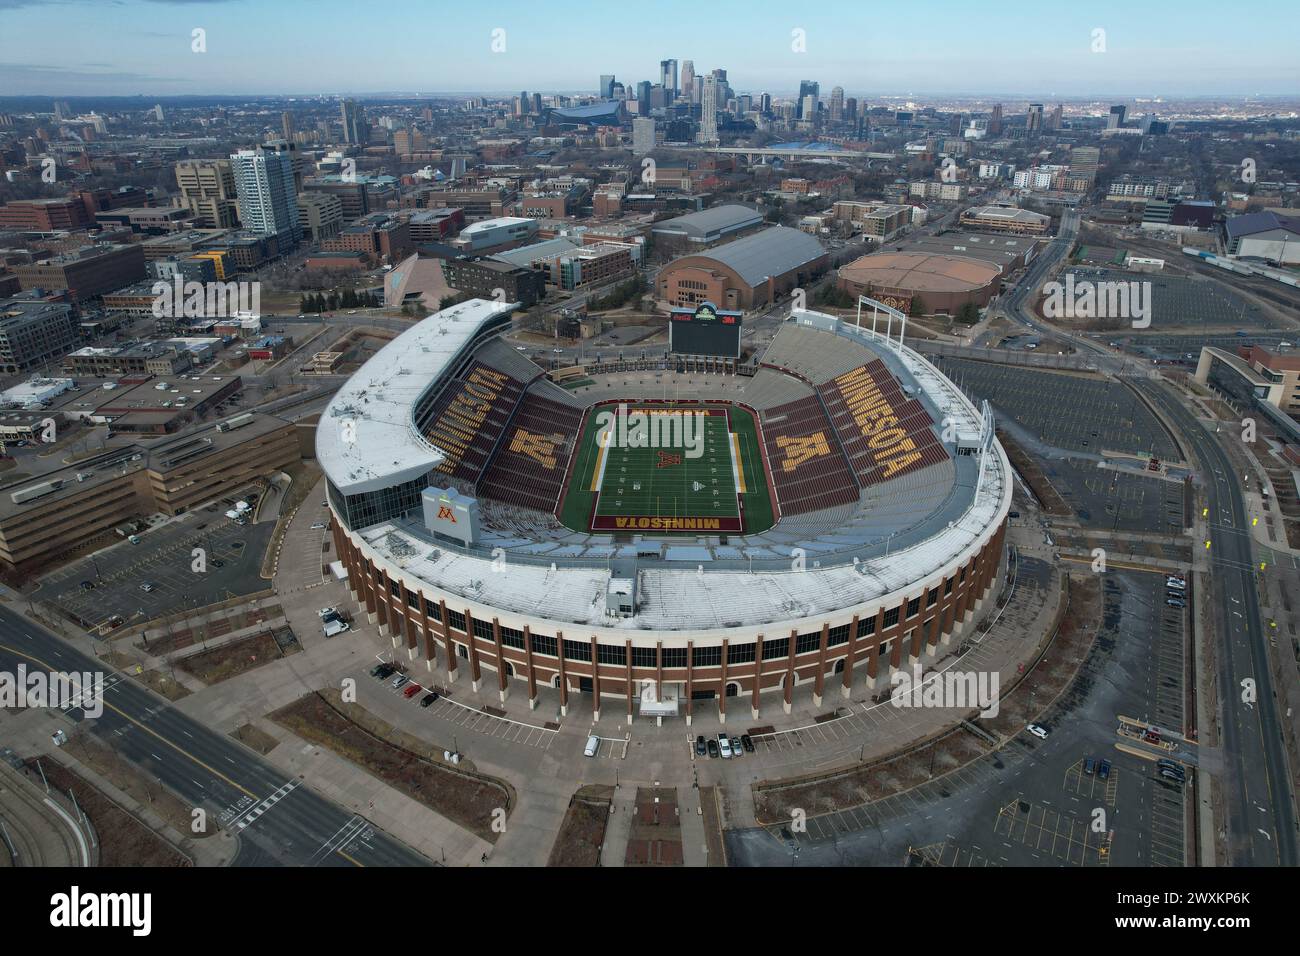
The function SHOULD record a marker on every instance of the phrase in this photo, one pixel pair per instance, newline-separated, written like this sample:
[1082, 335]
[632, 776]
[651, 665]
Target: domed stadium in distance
[664, 535]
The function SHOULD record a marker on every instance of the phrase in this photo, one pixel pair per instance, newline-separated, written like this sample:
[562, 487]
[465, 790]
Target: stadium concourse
[451, 461]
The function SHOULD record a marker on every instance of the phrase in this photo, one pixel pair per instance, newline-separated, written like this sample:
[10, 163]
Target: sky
[901, 47]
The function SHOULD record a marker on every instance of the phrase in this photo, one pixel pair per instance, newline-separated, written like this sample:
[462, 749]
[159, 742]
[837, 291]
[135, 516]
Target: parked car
[1151, 736]
[411, 691]
[736, 747]
[713, 747]
[724, 745]
[428, 699]
[382, 671]
[747, 743]
[318, 526]
[87, 585]
[593, 746]
[1164, 763]
[1037, 731]
[700, 749]
[1175, 602]
[147, 587]
[1089, 765]
[399, 680]
[326, 612]
[1103, 770]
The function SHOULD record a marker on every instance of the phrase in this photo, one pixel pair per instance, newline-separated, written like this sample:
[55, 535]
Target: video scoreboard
[704, 330]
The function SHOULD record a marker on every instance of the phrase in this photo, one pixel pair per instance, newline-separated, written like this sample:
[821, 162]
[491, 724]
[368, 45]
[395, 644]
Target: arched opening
[733, 689]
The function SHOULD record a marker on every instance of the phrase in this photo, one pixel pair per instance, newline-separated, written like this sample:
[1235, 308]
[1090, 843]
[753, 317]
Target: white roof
[366, 438]
[498, 223]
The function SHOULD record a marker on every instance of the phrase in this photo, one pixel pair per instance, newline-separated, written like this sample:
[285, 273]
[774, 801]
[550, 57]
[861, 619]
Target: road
[1261, 822]
[1261, 817]
[278, 820]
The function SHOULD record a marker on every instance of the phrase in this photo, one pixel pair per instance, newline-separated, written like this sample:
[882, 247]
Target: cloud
[28, 70]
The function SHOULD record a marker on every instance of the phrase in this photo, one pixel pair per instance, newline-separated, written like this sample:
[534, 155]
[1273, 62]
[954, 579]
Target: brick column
[846, 684]
[564, 678]
[722, 685]
[627, 645]
[532, 672]
[475, 675]
[502, 690]
[452, 671]
[758, 674]
[820, 682]
[690, 679]
[873, 649]
[789, 672]
[595, 681]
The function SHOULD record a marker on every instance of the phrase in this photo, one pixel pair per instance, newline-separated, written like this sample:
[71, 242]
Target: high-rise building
[837, 104]
[606, 86]
[1116, 118]
[287, 127]
[668, 77]
[643, 98]
[1054, 117]
[765, 103]
[355, 128]
[807, 88]
[709, 111]
[995, 120]
[1034, 119]
[688, 80]
[208, 191]
[296, 159]
[158, 113]
[643, 135]
[268, 204]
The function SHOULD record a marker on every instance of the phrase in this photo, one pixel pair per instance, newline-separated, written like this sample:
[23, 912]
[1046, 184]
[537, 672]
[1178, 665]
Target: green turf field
[661, 489]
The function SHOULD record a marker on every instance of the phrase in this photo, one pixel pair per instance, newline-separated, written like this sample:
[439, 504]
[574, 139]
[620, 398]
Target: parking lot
[1180, 301]
[1069, 412]
[163, 562]
[465, 717]
[1031, 803]
[1118, 501]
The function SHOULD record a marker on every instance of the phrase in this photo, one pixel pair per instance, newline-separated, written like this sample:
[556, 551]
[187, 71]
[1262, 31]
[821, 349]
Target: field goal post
[877, 307]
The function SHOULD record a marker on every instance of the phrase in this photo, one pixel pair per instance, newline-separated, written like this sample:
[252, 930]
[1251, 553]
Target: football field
[655, 470]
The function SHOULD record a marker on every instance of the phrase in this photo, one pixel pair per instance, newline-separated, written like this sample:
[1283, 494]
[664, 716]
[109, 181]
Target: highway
[1261, 821]
[278, 820]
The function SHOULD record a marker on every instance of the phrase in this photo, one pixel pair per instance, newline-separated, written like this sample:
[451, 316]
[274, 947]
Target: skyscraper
[208, 190]
[267, 202]
[668, 77]
[355, 127]
[995, 120]
[688, 80]
[837, 104]
[643, 135]
[709, 111]
[606, 86]
[807, 88]
[1116, 118]
[1034, 118]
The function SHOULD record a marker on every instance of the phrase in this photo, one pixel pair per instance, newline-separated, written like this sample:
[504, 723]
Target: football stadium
[664, 535]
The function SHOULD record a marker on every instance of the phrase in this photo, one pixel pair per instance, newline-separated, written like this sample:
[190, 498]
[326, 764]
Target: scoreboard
[704, 331]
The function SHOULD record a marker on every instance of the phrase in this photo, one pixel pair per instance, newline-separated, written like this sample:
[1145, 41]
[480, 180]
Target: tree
[969, 314]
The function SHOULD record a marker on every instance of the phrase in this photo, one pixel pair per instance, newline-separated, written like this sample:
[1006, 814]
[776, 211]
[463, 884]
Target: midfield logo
[665, 460]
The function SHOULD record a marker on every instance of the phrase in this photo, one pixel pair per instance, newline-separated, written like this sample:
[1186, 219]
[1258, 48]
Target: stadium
[664, 535]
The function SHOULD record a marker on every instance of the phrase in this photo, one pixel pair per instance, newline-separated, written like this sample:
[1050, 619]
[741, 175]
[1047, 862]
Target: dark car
[747, 743]
[1103, 770]
[87, 585]
[712, 747]
[700, 748]
[383, 671]
[1089, 765]
[428, 698]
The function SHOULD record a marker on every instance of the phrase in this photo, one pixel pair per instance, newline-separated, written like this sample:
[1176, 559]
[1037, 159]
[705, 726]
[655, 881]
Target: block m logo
[446, 514]
[799, 449]
[665, 460]
[540, 448]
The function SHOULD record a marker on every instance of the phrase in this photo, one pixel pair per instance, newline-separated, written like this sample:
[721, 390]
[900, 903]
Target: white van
[335, 626]
[593, 745]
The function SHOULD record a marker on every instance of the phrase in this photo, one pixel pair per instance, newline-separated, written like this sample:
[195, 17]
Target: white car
[724, 745]
[318, 526]
[326, 612]
[1037, 731]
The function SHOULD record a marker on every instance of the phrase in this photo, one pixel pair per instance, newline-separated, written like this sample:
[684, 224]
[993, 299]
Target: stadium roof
[604, 111]
[366, 438]
[771, 252]
[1005, 212]
[922, 271]
[710, 222]
[1255, 222]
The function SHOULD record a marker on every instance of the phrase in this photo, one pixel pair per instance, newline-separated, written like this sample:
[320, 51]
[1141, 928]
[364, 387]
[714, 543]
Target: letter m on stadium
[666, 459]
[799, 448]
